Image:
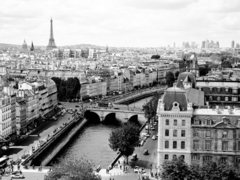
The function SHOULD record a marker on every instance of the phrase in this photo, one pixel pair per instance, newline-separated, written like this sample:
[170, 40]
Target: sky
[120, 23]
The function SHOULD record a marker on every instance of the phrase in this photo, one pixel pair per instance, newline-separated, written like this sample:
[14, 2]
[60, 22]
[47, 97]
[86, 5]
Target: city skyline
[123, 23]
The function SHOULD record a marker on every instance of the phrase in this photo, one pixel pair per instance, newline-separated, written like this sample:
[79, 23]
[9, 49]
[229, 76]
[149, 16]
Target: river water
[92, 142]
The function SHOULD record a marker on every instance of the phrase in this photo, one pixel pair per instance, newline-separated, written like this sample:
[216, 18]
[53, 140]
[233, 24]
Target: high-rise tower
[51, 43]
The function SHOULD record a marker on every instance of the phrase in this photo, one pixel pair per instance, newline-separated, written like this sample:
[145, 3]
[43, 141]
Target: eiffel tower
[51, 43]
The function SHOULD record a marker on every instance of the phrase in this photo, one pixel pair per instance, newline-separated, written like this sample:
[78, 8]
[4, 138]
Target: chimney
[218, 110]
[207, 103]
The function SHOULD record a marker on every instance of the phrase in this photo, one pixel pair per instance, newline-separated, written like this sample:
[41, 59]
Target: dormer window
[226, 89]
[219, 89]
[209, 122]
[196, 121]
[224, 134]
[211, 89]
[235, 90]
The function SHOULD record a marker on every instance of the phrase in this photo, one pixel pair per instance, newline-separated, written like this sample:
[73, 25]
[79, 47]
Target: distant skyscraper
[32, 47]
[51, 43]
[233, 43]
[24, 45]
[203, 44]
[174, 45]
[218, 46]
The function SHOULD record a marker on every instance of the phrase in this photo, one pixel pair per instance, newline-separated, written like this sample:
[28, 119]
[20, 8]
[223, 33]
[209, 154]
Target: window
[223, 160]
[183, 133]
[174, 133]
[238, 145]
[195, 144]
[174, 156]
[183, 145]
[183, 122]
[196, 121]
[195, 133]
[166, 144]
[174, 144]
[208, 145]
[208, 133]
[224, 134]
[166, 132]
[219, 98]
[208, 122]
[195, 157]
[207, 159]
[167, 122]
[166, 157]
[175, 122]
[224, 145]
[182, 157]
[226, 98]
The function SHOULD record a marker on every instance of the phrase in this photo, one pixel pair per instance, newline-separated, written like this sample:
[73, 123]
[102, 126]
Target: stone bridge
[123, 115]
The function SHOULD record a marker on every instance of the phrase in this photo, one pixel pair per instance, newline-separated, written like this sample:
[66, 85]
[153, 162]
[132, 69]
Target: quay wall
[139, 96]
[33, 158]
[63, 143]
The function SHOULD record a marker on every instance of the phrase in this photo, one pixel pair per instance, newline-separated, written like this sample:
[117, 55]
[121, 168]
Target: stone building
[195, 131]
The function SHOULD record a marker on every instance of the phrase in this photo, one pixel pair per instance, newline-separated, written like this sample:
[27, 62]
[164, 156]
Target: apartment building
[5, 115]
[197, 133]
[21, 116]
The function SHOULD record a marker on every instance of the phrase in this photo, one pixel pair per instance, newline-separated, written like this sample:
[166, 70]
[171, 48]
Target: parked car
[154, 137]
[134, 157]
[145, 152]
[17, 176]
[136, 169]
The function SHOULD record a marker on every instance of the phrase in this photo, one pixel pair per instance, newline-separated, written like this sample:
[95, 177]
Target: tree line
[178, 169]
[69, 89]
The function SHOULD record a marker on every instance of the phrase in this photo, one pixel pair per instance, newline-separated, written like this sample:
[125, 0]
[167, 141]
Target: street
[16, 152]
[147, 161]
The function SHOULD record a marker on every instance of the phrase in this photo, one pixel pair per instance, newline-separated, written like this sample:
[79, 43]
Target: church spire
[32, 47]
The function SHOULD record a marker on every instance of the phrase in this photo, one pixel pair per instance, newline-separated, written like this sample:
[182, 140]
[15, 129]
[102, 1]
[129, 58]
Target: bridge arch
[134, 119]
[111, 118]
[92, 116]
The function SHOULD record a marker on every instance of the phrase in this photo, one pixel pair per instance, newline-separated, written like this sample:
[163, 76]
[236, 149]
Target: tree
[170, 78]
[176, 74]
[150, 108]
[72, 169]
[155, 57]
[125, 139]
[226, 64]
[176, 169]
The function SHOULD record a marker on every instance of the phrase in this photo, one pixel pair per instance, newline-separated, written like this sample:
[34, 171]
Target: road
[30, 176]
[16, 152]
[147, 161]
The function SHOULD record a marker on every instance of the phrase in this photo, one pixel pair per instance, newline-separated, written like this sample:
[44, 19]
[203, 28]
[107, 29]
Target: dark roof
[195, 96]
[172, 95]
[185, 75]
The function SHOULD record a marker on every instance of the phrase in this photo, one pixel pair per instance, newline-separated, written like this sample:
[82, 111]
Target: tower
[24, 45]
[51, 43]
[32, 47]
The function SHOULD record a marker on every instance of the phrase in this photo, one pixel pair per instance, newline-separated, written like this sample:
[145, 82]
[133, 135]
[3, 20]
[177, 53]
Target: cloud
[120, 23]
[160, 4]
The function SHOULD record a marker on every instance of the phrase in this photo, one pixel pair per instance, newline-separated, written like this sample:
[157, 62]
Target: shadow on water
[111, 119]
[94, 122]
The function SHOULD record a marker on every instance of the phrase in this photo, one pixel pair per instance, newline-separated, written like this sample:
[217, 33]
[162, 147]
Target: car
[154, 137]
[136, 169]
[145, 152]
[145, 135]
[17, 176]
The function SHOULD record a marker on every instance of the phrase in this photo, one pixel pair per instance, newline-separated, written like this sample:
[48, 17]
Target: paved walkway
[17, 151]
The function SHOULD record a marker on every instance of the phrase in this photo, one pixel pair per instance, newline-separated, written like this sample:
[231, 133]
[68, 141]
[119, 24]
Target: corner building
[174, 125]
[197, 134]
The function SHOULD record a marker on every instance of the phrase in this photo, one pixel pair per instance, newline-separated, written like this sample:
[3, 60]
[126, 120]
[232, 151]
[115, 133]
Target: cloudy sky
[131, 23]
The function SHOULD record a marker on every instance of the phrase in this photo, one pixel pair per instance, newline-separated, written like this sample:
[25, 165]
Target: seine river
[92, 142]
